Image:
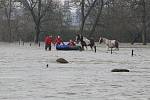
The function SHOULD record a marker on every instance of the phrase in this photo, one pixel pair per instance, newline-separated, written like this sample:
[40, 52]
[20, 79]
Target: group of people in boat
[49, 40]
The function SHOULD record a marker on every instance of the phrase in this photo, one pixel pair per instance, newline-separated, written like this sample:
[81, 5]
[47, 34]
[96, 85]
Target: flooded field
[25, 76]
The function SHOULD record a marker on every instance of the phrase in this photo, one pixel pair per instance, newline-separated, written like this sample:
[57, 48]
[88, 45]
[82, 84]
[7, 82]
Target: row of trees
[26, 19]
[124, 20]
[127, 20]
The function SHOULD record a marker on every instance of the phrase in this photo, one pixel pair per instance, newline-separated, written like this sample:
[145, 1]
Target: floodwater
[25, 76]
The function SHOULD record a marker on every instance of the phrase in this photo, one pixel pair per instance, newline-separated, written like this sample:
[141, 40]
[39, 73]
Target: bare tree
[86, 7]
[100, 7]
[144, 22]
[85, 12]
[38, 10]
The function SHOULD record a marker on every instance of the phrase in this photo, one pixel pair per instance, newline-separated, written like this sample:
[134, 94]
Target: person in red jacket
[71, 43]
[58, 40]
[48, 41]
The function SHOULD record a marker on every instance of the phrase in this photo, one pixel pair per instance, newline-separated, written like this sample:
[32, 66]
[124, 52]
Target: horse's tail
[117, 44]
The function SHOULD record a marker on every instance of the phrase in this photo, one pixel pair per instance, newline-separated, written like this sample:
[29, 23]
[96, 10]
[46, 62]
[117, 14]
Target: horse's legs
[117, 48]
[117, 45]
[86, 47]
[91, 47]
[82, 47]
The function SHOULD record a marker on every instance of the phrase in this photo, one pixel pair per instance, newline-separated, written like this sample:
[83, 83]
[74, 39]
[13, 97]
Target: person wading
[48, 42]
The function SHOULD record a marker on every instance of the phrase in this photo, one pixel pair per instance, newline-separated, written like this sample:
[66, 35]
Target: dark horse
[85, 42]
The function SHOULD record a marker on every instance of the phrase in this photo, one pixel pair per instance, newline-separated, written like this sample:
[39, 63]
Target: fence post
[39, 44]
[132, 52]
[95, 48]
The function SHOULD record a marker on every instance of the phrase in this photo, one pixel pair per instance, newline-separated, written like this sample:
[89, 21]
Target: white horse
[109, 43]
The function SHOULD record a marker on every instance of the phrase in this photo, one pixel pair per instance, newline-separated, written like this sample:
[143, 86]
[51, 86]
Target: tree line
[30, 20]
[125, 20]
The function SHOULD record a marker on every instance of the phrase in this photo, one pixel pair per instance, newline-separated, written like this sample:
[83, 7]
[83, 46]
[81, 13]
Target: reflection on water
[88, 76]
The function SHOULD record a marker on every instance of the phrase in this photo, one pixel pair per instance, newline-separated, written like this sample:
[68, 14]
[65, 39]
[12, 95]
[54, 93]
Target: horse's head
[100, 40]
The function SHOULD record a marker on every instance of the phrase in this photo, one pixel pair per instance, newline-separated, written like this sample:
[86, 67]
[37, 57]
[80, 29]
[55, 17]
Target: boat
[67, 47]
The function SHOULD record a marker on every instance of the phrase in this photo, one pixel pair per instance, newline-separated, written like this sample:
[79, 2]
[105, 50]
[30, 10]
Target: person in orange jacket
[58, 40]
[48, 42]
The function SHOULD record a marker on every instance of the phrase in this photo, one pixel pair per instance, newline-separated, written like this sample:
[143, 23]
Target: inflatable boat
[67, 47]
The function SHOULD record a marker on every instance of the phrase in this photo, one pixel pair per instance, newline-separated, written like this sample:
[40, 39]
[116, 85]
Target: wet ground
[25, 76]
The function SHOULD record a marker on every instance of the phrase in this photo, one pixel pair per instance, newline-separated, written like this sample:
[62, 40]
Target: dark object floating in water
[62, 60]
[47, 65]
[120, 70]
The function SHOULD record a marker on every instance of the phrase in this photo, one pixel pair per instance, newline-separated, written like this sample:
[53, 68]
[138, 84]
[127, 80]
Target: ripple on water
[116, 86]
[67, 93]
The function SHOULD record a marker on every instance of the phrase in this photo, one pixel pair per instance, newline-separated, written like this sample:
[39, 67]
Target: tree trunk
[10, 32]
[82, 25]
[38, 23]
[37, 34]
[144, 23]
[144, 35]
[84, 16]
[8, 11]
